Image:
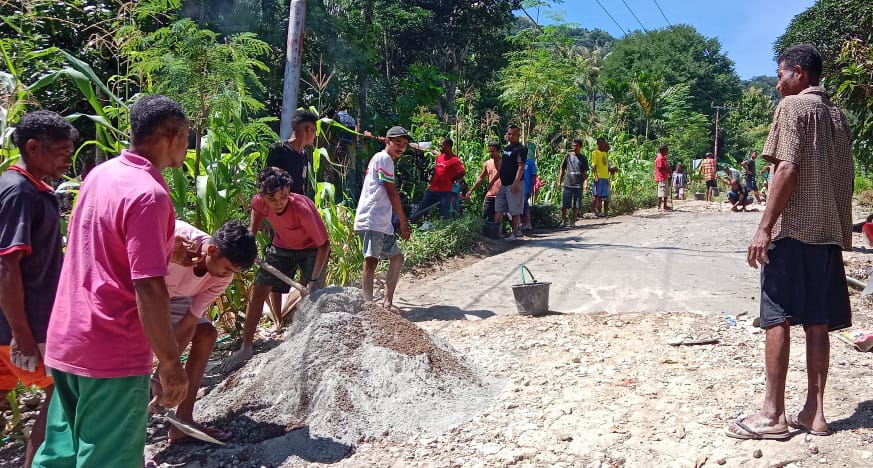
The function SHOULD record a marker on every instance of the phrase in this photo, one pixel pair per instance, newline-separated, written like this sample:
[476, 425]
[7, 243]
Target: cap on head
[397, 132]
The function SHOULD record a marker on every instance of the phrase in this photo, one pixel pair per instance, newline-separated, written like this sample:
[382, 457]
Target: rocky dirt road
[597, 384]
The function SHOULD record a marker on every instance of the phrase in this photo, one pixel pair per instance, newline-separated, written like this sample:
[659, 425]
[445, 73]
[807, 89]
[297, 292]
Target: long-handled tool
[282, 276]
[277, 318]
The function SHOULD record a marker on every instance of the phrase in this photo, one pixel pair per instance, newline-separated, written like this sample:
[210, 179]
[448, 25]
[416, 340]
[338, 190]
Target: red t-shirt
[298, 227]
[444, 172]
[662, 169]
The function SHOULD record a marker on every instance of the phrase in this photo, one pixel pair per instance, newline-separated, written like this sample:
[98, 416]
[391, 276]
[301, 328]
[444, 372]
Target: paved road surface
[691, 259]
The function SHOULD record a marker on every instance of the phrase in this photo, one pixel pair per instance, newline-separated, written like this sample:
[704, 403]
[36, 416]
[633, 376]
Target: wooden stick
[282, 276]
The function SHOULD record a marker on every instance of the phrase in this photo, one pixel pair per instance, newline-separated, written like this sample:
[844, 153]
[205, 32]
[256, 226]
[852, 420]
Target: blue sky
[745, 28]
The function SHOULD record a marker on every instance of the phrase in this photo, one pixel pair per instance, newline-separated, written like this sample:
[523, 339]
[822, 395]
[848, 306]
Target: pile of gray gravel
[350, 372]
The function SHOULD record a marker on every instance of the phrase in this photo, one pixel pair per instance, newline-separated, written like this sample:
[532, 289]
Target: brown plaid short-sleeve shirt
[708, 165]
[811, 132]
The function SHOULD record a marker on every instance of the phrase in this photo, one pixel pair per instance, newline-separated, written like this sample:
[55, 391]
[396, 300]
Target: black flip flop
[751, 434]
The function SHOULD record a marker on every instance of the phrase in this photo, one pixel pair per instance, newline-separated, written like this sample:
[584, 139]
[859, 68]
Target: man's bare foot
[809, 424]
[237, 359]
[759, 427]
[392, 308]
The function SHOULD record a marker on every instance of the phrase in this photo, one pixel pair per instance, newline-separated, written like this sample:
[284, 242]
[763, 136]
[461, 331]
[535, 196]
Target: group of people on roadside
[510, 178]
[573, 181]
[742, 187]
[84, 321]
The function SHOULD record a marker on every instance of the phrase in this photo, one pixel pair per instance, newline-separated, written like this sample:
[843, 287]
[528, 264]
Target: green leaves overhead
[203, 71]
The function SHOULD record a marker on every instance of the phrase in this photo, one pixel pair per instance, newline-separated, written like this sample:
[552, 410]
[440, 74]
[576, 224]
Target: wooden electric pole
[293, 52]
[717, 118]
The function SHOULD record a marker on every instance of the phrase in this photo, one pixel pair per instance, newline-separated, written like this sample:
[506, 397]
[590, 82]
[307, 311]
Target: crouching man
[193, 288]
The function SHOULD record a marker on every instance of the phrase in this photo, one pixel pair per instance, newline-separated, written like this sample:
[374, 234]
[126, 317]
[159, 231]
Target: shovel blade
[190, 430]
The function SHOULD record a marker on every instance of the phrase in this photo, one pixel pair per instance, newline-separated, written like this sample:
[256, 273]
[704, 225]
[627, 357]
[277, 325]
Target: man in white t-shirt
[194, 286]
[379, 199]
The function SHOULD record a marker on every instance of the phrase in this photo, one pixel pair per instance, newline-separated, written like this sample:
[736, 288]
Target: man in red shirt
[300, 241]
[662, 177]
[447, 169]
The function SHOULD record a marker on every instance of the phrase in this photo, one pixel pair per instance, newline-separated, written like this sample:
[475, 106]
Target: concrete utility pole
[293, 52]
[717, 118]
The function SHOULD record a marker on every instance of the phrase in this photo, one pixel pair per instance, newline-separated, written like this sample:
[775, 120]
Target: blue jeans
[431, 197]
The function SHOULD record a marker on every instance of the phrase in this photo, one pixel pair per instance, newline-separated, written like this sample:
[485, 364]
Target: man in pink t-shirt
[300, 242]
[194, 285]
[447, 169]
[112, 308]
[662, 177]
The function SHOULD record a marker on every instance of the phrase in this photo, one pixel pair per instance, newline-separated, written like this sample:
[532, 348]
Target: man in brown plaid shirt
[807, 223]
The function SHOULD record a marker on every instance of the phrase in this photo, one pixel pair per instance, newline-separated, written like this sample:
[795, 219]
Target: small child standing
[379, 198]
[301, 242]
[680, 181]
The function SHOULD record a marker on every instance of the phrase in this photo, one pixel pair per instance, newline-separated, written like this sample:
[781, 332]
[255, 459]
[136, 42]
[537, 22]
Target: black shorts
[734, 197]
[287, 261]
[571, 197]
[711, 184]
[805, 284]
[751, 184]
[488, 209]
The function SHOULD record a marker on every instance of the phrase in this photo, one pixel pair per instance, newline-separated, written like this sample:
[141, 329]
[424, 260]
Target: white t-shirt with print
[374, 208]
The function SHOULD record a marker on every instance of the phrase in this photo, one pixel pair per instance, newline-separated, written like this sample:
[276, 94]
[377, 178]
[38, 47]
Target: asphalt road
[689, 260]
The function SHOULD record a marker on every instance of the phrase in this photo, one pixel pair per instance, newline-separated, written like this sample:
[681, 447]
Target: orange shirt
[492, 171]
[708, 166]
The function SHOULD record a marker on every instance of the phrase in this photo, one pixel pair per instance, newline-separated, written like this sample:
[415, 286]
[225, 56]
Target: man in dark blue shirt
[31, 254]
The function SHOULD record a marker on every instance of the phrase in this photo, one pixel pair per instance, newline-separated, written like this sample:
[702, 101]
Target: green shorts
[95, 422]
[287, 261]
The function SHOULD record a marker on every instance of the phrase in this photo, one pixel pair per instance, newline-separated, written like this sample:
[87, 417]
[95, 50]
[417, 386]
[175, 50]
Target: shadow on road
[441, 312]
[256, 442]
[563, 244]
[861, 419]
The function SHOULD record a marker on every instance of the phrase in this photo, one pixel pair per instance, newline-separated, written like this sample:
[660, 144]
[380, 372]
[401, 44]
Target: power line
[610, 17]
[634, 15]
[662, 13]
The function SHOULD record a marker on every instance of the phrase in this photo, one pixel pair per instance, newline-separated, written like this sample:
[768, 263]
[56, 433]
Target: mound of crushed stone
[349, 372]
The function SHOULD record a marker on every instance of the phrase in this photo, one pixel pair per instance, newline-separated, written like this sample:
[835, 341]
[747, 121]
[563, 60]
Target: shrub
[865, 198]
[627, 204]
[447, 239]
[862, 182]
[545, 215]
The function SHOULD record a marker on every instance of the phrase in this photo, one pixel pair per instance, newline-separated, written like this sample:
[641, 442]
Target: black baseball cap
[398, 131]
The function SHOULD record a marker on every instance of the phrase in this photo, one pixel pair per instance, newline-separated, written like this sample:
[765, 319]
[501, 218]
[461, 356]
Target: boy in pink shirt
[193, 288]
[300, 241]
[112, 308]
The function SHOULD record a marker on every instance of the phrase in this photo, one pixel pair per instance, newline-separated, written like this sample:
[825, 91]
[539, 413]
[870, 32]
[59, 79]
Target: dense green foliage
[843, 31]
[679, 55]
[828, 25]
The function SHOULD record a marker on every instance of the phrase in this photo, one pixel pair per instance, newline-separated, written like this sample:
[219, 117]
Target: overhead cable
[662, 13]
[634, 15]
[611, 17]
